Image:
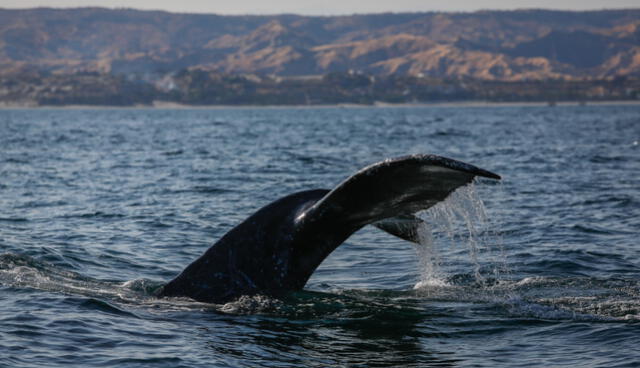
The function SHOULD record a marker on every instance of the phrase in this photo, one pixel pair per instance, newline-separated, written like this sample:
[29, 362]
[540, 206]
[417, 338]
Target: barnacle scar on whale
[276, 249]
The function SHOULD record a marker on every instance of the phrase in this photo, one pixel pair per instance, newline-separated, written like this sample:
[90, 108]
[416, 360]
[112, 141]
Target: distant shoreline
[177, 106]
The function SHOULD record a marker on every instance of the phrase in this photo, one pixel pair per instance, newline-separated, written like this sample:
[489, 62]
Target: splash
[461, 219]
[252, 304]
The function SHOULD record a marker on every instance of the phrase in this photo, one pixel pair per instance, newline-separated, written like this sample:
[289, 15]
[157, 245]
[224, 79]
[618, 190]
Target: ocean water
[99, 207]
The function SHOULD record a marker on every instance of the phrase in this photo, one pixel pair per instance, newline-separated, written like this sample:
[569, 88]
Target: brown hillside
[493, 45]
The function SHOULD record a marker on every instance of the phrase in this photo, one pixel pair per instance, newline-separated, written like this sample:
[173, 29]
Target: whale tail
[277, 248]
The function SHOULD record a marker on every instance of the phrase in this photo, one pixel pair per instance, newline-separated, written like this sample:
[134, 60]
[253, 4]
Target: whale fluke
[276, 249]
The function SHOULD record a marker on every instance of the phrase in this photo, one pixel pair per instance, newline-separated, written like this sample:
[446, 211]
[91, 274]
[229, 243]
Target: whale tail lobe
[389, 192]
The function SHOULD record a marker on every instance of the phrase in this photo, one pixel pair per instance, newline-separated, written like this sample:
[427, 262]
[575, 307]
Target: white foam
[251, 305]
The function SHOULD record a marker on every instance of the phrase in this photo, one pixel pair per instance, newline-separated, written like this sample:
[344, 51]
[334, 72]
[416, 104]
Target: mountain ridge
[489, 45]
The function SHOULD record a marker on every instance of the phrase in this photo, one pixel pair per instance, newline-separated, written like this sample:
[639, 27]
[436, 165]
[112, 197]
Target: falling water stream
[459, 221]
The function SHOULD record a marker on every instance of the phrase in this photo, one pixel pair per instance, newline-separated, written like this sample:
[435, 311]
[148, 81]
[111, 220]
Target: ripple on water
[99, 207]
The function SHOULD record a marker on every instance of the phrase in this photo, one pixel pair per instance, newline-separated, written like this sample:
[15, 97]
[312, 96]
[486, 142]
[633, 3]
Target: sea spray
[460, 219]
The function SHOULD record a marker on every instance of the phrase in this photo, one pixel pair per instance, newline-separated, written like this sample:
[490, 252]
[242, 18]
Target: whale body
[277, 249]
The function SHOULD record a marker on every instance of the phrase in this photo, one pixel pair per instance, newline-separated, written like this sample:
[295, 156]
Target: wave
[542, 298]
[25, 272]
[555, 298]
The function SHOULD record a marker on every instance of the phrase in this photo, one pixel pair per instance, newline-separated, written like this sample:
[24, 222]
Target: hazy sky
[324, 7]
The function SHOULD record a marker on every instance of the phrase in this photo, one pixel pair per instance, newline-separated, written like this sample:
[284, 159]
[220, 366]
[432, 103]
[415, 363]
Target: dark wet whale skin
[277, 249]
[258, 255]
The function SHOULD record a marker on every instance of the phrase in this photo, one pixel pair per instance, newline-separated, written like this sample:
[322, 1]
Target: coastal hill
[96, 56]
[487, 45]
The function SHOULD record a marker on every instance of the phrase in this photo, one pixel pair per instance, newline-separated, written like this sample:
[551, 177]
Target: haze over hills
[488, 45]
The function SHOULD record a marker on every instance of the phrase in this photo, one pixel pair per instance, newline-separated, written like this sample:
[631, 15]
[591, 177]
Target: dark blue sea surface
[99, 207]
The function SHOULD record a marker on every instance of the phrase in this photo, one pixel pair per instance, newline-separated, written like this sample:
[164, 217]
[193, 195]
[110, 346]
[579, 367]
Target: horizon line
[116, 8]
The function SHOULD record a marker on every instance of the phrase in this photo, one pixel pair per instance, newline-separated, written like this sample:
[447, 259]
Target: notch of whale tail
[277, 249]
